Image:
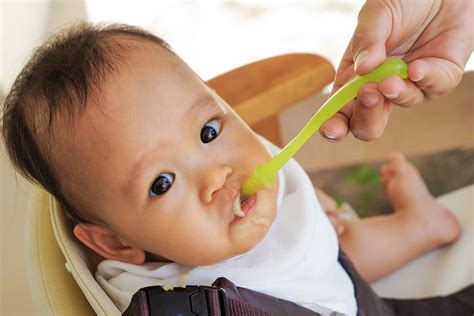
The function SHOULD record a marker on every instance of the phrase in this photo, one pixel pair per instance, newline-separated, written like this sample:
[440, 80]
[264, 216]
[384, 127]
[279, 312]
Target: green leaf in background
[339, 200]
[363, 175]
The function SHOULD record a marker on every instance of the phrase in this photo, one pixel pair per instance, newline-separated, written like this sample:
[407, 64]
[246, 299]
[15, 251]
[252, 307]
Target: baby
[148, 162]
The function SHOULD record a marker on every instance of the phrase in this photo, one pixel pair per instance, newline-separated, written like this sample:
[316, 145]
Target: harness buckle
[191, 300]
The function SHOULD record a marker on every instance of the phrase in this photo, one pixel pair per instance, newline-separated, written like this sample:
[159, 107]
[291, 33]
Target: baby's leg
[379, 245]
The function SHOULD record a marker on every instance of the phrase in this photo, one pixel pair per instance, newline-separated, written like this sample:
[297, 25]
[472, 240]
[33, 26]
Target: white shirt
[296, 260]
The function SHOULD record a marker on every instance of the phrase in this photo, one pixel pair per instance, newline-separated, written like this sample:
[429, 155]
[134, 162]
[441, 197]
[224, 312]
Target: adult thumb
[370, 37]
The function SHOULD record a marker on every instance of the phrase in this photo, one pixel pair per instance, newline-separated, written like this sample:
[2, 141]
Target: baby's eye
[161, 184]
[210, 130]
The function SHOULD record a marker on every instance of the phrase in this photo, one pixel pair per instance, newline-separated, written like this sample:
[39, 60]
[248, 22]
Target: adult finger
[372, 31]
[337, 127]
[345, 71]
[370, 114]
[435, 76]
[401, 92]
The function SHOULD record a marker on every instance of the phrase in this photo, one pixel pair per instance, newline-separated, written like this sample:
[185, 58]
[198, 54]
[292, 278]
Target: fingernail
[360, 58]
[392, 96]
[340, 229]
[370, 98]
[416, 79]
[329, 135]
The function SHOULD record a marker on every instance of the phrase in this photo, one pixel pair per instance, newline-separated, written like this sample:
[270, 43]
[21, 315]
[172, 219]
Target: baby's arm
[329, 206]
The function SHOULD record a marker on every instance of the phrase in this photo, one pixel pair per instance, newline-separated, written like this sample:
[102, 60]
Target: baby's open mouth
[241, 207]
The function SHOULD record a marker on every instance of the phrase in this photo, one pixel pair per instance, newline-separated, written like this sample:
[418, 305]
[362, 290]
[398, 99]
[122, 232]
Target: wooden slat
[270, 129]
[260, 90]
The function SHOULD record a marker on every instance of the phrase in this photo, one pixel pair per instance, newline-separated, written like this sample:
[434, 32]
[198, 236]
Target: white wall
[25, 25]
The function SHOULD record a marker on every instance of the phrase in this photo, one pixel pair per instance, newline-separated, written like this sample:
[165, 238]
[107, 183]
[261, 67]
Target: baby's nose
[212, 180]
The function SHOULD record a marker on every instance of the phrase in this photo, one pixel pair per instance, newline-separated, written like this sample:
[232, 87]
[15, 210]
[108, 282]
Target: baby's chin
[154, 257]
[192, 260]
[248, 231]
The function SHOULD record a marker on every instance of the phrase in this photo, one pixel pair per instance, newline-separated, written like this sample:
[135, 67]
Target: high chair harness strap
[223, 298]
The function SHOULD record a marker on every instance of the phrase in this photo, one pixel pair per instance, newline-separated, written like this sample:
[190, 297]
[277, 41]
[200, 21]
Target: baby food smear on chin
[261, 221]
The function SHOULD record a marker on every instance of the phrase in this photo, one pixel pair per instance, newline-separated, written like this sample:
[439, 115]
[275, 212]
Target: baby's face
[164, 158]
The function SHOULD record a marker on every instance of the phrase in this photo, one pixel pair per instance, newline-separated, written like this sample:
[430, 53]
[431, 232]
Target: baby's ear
[107, 244]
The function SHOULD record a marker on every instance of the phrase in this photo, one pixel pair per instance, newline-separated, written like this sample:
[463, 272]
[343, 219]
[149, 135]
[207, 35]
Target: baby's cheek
[268, 207]
[246, 239]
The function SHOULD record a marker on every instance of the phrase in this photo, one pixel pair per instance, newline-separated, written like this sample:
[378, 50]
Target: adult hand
[434, 37]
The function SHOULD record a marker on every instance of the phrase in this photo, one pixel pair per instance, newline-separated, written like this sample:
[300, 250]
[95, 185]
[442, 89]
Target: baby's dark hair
[59, 79]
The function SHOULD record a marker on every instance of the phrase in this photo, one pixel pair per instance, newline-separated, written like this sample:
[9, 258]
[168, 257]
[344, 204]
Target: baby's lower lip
[249, 203]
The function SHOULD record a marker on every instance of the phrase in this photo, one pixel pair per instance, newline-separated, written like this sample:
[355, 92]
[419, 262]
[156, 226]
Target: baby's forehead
[148, 81]
[152, 87]
[137, 51]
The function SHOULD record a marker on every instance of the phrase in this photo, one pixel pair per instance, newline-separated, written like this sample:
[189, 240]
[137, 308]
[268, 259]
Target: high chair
[61, 271]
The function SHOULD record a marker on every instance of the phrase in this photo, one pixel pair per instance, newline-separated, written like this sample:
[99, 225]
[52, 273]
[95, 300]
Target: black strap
[190, 300]
[221, 299]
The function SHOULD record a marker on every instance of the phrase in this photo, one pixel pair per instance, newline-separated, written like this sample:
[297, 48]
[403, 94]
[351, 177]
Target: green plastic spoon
[265, 174]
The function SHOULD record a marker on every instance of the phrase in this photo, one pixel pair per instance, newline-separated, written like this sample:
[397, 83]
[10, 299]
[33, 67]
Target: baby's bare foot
[410, 198]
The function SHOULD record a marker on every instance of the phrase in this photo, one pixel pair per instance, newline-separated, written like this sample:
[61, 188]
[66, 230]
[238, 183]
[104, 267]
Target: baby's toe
[385, 173]
[396, 157]
[399, 164]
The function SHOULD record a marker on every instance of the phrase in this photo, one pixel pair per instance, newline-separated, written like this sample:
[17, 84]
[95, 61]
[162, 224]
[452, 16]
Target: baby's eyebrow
[204, 100]
[135, 173]
[203, 103]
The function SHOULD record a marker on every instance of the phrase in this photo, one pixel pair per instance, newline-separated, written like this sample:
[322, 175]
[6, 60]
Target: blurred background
[214, 37]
